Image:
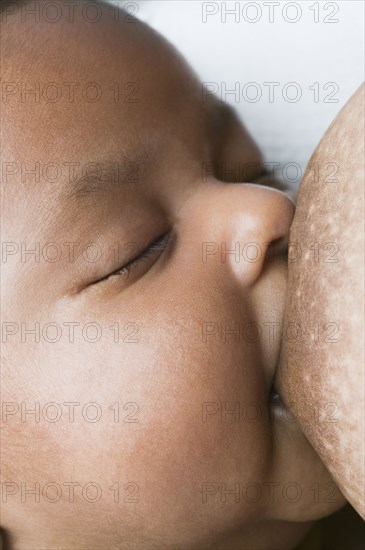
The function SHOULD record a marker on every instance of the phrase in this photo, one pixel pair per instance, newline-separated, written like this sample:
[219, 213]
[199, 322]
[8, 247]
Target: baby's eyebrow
[102, 177]
[92, 184]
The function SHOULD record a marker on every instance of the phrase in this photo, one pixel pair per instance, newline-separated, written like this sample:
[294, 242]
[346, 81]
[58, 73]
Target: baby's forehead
[75, 89]
[74, 49]
[32, 43]
[112, 60]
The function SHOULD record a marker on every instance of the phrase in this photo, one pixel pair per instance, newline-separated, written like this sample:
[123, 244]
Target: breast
[321, 371]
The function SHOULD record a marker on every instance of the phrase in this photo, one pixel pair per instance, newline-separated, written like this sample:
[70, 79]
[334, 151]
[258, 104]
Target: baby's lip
[275, 399]
[272, 387]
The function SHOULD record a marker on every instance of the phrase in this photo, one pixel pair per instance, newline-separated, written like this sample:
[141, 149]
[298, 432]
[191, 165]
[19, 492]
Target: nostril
[277, 248]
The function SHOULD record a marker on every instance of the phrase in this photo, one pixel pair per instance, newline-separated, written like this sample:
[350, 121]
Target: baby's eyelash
[158, 245]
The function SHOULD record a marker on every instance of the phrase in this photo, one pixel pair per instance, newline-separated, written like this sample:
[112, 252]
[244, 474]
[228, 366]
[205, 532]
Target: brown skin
[322, 378]
[171, 371]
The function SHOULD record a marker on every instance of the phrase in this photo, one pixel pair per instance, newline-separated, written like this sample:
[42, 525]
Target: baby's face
[181, 447]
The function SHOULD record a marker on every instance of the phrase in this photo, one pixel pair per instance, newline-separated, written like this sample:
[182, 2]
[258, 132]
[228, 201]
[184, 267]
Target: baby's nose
[241, 225]
[261, 219]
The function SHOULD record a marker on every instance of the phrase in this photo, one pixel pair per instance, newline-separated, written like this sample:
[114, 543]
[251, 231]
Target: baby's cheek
[178, 453]
[136, 428]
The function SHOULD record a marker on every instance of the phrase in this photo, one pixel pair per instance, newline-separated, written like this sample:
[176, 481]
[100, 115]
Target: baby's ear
[235, 155]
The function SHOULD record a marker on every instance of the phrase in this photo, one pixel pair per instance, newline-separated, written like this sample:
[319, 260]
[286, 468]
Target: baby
[143, 298]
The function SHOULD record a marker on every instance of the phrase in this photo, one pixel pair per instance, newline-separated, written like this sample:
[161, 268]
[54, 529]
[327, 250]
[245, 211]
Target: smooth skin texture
[171, 371]
[321, 373]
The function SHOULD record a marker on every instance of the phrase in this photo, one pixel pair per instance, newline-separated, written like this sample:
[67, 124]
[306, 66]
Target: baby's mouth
[275, 399]
[278, 407]
[276, 402]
